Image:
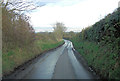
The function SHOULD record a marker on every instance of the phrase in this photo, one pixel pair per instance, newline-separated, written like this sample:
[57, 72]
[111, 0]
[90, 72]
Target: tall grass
[17, 56]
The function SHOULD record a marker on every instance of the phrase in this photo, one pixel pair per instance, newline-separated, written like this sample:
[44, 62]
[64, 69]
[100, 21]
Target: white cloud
[75, 14]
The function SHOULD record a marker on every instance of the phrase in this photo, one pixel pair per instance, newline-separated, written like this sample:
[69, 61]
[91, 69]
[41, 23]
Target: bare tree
[20, 5]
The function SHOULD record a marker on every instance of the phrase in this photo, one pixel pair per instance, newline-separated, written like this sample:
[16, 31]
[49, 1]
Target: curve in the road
[60, 63]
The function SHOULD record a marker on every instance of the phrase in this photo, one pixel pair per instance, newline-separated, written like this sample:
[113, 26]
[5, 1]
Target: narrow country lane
[60, 63]
[64, 68]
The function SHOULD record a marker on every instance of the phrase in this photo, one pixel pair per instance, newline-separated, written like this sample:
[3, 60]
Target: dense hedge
[99, 44]
[106, 30]
[109, 26]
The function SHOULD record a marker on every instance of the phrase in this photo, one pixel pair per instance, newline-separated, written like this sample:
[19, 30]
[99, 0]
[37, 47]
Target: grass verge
[102, 58]
[12, 58]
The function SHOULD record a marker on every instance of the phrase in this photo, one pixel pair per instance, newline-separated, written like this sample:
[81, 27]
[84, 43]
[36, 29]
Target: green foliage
[46, 45]
[101, 58]
[99, 44]
[68, 35]
[10, 53]
[106, 29]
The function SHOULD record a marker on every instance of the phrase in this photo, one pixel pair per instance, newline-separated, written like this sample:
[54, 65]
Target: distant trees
[69, 35]
[46, 36]
[59, 29]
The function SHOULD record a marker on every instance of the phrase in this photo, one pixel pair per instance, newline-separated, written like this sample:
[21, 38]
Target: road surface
[60, 63]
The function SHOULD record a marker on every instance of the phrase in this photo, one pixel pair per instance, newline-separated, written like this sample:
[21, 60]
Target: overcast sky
[75, 14]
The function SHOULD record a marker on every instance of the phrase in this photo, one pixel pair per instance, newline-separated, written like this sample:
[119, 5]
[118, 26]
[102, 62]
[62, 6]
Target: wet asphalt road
[57, 64]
